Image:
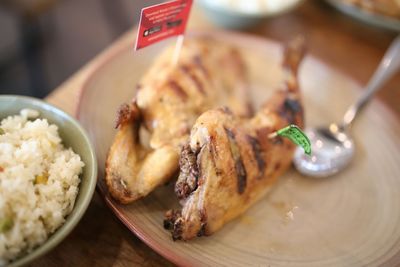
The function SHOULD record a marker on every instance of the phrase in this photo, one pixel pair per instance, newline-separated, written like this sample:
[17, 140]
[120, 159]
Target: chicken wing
[230, 162]
[169, 99]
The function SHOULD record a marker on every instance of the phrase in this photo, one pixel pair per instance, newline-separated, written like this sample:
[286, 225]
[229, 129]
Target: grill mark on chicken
[237, 158]
[256, 148]
[199, 86]
[201, 178]
[199, 63]
[189, 175]
[250, 109]
[226, 110]
[290, 109]
[178, 89]
[214, 155]
[235, 56]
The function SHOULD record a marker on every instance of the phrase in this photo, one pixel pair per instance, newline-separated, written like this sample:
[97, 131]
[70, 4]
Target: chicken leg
[230, 163]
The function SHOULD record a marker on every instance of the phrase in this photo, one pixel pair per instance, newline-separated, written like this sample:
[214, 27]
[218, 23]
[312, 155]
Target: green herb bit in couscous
[6, 224]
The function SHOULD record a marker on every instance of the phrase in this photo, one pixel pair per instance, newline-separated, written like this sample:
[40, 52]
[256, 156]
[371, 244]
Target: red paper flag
[162, 21]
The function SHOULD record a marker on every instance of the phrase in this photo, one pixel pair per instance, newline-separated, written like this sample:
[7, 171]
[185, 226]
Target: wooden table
[348, 45]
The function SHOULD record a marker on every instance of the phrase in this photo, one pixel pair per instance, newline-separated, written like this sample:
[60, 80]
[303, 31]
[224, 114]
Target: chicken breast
[169, 99]
[230, 162]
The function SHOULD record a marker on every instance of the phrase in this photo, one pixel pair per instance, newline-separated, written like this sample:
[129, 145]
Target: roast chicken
[230, 162]
[156, 124]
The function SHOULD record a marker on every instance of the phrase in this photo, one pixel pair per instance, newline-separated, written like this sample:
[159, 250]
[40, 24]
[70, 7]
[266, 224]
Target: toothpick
[272, 135]
[178, 47]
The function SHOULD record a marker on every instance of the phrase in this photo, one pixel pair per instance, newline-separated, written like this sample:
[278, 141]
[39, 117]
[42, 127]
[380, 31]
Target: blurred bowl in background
[239, 14]
[372, 17]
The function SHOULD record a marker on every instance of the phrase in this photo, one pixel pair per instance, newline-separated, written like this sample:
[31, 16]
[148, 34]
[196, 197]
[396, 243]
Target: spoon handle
[388, 66]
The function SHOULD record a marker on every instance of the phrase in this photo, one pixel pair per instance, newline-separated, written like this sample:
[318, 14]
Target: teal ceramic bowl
[74, 136]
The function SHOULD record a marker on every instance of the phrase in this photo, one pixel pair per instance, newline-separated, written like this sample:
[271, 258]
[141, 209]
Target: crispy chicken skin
[230, 163]
[169, 99]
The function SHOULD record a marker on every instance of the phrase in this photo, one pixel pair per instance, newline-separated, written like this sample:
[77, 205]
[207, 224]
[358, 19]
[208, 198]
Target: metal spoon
[332, 146]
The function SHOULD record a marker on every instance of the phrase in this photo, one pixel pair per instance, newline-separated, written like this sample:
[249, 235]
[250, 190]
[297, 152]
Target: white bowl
[239, 14]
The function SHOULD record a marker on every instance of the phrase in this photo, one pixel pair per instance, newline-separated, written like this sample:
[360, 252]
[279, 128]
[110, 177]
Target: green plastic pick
[297, 136]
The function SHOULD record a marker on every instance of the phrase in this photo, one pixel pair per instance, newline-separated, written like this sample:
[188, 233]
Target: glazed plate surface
[350, 220]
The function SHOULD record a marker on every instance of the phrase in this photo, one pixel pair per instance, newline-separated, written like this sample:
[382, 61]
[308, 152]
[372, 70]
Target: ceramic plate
[371, 18]
[350, 220]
